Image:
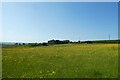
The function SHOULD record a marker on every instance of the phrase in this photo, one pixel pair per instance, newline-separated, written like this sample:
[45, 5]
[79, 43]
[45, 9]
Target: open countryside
[61, 61]
[59, 40]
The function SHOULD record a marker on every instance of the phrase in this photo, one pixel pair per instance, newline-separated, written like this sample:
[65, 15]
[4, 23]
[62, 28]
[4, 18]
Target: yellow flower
[53, 72]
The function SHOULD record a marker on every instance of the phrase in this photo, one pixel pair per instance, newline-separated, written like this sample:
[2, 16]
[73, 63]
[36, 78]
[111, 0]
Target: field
[61, 61]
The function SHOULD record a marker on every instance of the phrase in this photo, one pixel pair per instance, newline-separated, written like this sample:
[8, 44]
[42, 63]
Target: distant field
[61, 61]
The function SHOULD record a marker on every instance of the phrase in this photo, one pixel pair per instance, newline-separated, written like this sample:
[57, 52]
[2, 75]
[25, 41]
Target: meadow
[61, 61]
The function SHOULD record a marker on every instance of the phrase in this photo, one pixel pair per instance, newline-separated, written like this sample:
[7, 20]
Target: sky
[60, 0]
[43, 21]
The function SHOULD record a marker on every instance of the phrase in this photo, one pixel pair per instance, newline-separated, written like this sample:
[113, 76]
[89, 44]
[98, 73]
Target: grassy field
[61, 61]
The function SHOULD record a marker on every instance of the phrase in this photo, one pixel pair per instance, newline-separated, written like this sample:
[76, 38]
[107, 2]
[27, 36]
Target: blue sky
[42, 21]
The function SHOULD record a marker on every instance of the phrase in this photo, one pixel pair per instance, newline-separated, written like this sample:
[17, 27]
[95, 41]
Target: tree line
[51, 42]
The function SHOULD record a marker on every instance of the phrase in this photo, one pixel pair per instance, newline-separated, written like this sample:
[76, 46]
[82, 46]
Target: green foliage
[61, 61]
[37, 44]
[107, 41]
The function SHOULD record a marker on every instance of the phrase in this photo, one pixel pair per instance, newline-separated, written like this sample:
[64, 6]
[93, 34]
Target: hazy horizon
[43, 21]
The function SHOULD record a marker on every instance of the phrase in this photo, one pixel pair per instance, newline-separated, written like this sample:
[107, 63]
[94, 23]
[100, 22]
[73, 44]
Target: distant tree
[35, 44]
[51, 42]
[16, 43]
[23, 43]
[88, 42]
[19, 44]
[44, 44]
[79, 41]
[66, 41]
[39, 44]
[58, 42]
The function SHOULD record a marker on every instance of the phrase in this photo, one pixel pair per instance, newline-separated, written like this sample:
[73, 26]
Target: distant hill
[9, 43]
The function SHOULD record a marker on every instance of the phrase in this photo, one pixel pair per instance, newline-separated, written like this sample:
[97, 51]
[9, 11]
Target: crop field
[61, 61]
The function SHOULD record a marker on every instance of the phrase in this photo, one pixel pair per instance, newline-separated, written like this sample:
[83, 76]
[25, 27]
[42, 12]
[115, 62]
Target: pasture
[61, 61]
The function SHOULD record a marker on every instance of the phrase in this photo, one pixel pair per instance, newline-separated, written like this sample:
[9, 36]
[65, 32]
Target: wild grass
[61, 61]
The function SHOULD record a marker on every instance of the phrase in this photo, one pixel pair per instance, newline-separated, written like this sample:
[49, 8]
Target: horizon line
[53, 39]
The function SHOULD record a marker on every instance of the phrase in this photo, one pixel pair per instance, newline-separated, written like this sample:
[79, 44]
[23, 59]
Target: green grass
[61, 61]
